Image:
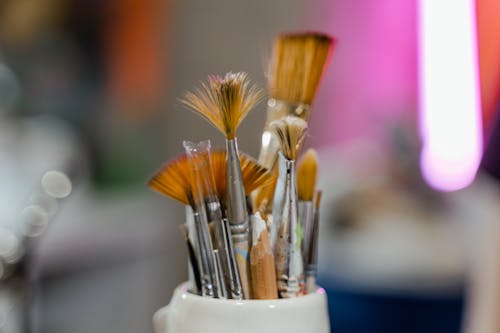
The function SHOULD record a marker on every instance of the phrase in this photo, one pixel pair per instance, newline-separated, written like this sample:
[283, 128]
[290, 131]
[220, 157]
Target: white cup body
[188, 313]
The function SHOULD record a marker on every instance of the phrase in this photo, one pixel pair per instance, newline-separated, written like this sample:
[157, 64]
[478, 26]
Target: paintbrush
[312, 256]
[177, 180]
[306, 182]
[224, 102]
[201, 156]
[297, 65]
[285, 230]
[262, 261]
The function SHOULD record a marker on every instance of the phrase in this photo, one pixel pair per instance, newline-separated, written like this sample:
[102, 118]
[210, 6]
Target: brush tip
[298, 62]
[311, 35]
[306, 175]
[224, 101]
[317, 199]
[290, 132]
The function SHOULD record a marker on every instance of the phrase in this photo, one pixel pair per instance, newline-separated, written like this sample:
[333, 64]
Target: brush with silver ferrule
[200, 155]
[254, 176]
[225, 102]
[220, 283]
[197, 199]
[286, 232]
[177, 181]
[306, 183]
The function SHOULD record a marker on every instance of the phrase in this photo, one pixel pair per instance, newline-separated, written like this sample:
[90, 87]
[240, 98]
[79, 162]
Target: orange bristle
[298, 63]
[306, 175]
[254, 175]
[175, 180]
[264, 198]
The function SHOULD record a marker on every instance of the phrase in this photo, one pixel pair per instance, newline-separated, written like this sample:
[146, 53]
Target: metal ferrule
[306, 213]
[234, 284]
[312, 256]
[205, 255]
[287, 247]
[221, 287]
[279, 197]
[229, 268]
[236, 202]
[277, 109]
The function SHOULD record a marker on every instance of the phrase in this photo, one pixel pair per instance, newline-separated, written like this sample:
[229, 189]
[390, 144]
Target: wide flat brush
[306, 184]
[285, 229]
[224, 102]
[298, 63]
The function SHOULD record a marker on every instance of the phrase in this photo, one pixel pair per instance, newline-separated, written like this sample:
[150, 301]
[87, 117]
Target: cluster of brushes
[252, 226]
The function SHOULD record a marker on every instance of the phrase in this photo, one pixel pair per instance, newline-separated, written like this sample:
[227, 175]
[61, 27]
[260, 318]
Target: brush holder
[189, 313]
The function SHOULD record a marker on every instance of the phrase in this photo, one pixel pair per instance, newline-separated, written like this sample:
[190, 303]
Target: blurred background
[409, 239]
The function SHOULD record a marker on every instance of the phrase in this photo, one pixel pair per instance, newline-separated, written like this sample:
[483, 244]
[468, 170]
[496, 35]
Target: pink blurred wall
[373, 74]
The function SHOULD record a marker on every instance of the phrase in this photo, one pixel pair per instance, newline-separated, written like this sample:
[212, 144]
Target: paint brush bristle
[290, 133]
[306, 175]
[297, 65]
[317, 200]
[264, 198]
[254, 175]
[224, 101]
[175, 180]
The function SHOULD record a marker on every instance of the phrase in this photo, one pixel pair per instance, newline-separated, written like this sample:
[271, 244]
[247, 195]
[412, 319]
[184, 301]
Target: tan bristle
[317, 199]
[264, 198]
[224, 101]
[254, 175]
[290, 133]
[306, 175]
[175, 180]
[297, 65]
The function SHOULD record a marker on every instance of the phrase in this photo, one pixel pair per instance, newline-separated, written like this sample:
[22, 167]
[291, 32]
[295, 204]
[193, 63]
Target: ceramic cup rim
[185, 294]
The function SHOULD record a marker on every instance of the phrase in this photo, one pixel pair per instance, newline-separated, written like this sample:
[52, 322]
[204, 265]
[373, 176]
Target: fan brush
[177, 180]
[224, 102]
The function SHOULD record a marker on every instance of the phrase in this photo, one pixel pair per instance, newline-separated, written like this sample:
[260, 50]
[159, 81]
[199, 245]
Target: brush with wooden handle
[262, 261]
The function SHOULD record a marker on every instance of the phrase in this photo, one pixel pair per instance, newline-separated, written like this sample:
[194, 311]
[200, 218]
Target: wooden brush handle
[263, 269]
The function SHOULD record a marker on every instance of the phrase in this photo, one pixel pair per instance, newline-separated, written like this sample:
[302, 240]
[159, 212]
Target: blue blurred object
[355, 311]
